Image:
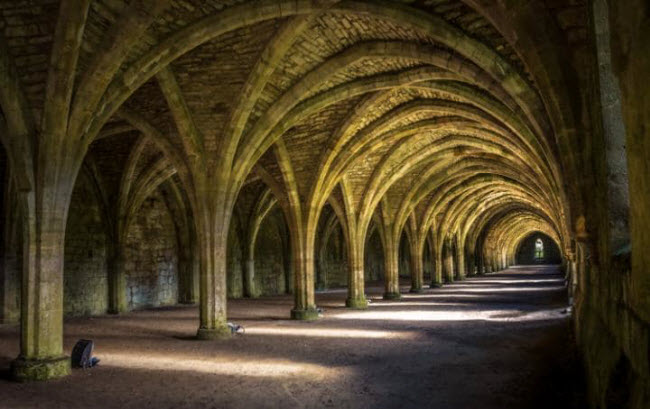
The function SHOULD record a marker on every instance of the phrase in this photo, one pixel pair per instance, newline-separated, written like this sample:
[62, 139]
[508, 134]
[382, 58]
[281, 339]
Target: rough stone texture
[270, 256]
[374, 259]
[333, 265]
[85, 276]
[11, 248]
[151, 260]
[466, 125]
[404, 257]
[613, 318]
[234, 266]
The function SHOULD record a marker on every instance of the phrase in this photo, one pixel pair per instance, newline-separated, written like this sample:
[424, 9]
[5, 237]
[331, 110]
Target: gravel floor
[498, 341]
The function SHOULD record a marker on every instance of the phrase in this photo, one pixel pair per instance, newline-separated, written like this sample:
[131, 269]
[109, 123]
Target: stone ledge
[207, 334]
[357, 303]
[24, 370]
[309, 314]
[392, 296]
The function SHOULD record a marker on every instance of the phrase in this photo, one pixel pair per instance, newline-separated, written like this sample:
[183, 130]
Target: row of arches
[158, 266]
[457, 126]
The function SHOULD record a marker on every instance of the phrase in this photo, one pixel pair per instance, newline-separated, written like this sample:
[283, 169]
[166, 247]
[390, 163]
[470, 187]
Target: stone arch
[332, 263]
[525, 250]
[87, 250]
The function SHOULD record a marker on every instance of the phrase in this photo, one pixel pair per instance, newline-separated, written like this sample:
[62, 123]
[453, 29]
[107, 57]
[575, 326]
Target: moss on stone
[309, 314]
[207, 334]
[357, 303]
[24, 370]
[392, 296]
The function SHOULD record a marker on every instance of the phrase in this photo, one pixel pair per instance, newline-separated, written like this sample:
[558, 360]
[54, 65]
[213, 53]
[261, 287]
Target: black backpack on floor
[82, 354]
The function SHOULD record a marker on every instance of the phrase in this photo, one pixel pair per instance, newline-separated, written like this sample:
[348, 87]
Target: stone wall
[85, 277]
[374, 259]
[333, 261]
[234, 266]
[404, 257]
[10, 248]
[428, 264]
[612, 302]
[270, 256]
[151, 257]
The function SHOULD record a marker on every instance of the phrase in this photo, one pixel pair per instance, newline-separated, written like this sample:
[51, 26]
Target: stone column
[212, 246]
[436, 274]
[356, 284]
[41, 342]
[471, 268]
[117, 281]
[417, 268]
[447, 262]
[303, 261]
[249, 278]
[391, 260]
[460, 261]
[188, 266]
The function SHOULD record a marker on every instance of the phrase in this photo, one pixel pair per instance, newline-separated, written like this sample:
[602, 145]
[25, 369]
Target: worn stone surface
[85, 277]
[151, 262]
[168, 151]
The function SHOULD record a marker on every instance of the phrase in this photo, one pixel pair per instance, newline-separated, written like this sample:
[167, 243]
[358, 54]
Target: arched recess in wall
[374, 255]
[404, 255]
[151, 256]
[87, 241]
[331, 251]
[258, 250]
[149, 227]
[537, 248]
[11, 241]
[429, 262]
[272, 255]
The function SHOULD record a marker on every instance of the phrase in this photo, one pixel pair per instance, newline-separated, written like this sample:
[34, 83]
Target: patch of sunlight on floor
[441, 316]
[498, 290]
[415, 304]
[440, 295]
[328, 332]
[234, 366]
[536, 281]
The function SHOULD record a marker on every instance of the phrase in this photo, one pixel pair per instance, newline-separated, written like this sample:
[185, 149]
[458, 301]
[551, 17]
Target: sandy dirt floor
[498, 341]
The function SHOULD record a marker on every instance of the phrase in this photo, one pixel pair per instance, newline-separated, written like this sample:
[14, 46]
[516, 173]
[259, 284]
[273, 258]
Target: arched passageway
[538, 248]
[168, 152]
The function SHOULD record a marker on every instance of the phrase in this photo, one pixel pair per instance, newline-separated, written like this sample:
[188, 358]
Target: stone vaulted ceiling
[435, 117]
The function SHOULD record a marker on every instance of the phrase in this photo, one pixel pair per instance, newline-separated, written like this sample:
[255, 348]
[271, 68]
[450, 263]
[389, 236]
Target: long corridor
[497, 341]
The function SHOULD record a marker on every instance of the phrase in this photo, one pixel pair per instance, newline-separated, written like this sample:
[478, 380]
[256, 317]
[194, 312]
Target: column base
[415, 290]
[207, 334]
[24, 370]
[435, 285]
[357, 303]
[309, 314]
[392, 296]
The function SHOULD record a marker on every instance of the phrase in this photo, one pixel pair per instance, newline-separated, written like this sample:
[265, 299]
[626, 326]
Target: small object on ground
[236, 329]
[319, 311]
[82, 354]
